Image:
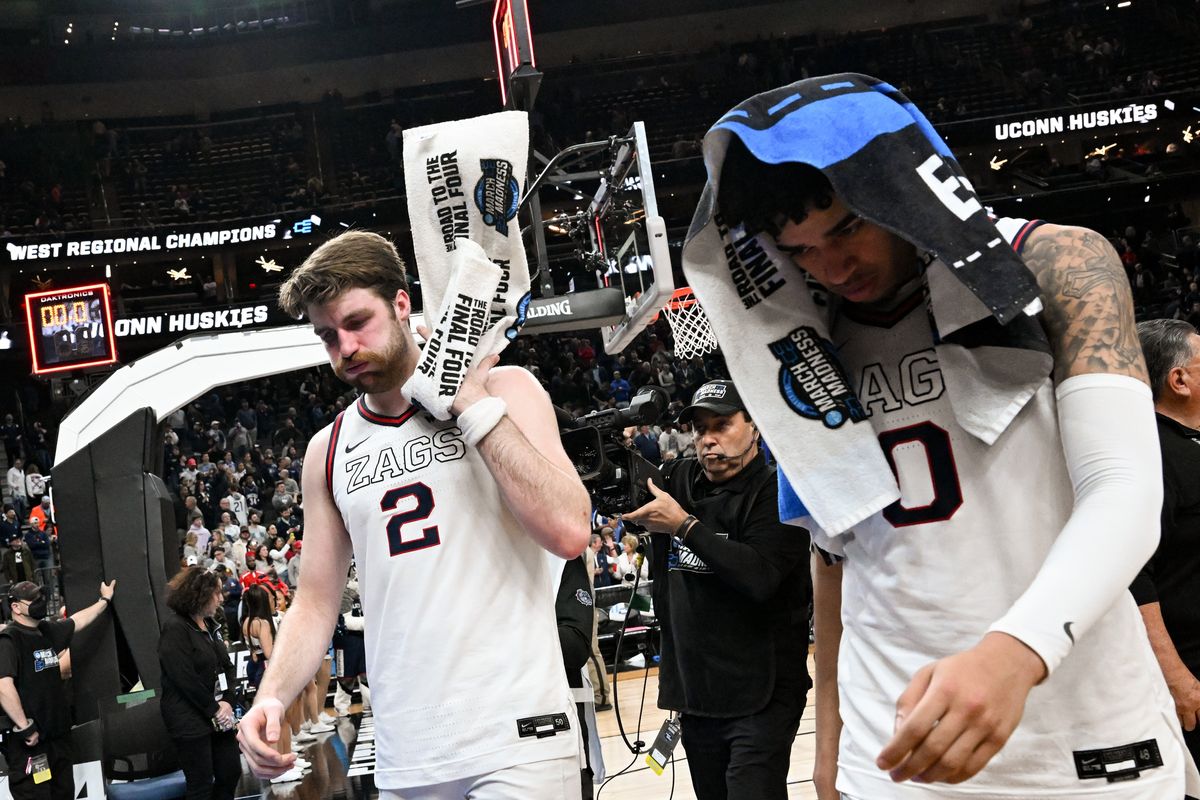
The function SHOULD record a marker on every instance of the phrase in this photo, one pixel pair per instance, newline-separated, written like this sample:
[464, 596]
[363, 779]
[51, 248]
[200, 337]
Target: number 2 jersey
[925, 579]
[462, 644]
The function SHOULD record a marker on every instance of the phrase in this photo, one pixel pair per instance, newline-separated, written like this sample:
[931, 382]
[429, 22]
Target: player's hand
[225, 713]
[108, 589]
[660, 515]
[958, 712]
[474, 385]
[1187, 702]
[257, 736]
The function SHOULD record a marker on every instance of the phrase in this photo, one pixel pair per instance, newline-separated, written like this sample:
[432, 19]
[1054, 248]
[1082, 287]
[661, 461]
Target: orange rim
[680, 299]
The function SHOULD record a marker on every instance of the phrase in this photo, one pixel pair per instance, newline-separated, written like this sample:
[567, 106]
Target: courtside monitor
[70, 328]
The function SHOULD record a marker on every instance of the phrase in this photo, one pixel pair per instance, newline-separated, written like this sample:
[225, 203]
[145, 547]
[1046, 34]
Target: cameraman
[732, 592]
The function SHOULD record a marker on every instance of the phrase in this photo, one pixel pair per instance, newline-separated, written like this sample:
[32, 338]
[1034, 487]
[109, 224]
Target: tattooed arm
[1089, 304]
[958, 712]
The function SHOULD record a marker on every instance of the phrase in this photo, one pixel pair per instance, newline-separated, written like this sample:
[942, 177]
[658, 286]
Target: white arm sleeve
[1110, 440]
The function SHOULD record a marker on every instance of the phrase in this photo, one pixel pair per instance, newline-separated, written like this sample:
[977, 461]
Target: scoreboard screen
[70, 328]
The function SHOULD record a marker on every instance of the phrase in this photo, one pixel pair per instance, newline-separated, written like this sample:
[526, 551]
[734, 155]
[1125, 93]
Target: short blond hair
[630, 541]
[353, 260]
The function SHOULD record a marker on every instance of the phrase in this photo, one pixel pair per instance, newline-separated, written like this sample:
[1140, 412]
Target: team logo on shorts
[583, 596]
[497, 193]
[812, 381]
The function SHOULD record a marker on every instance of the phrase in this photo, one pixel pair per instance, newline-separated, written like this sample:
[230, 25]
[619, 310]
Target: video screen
[70, 328]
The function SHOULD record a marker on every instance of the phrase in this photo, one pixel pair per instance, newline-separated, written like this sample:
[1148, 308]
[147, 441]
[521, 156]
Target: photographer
[198, 687]
[732, 591]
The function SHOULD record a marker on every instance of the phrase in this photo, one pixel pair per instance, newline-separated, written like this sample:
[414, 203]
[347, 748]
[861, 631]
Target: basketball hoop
[689, 324]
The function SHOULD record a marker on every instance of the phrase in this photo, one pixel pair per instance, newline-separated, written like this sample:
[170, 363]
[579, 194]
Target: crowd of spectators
[582, 378]
[233, 460]
[954, 70]
[1163, 267]
[28, 535]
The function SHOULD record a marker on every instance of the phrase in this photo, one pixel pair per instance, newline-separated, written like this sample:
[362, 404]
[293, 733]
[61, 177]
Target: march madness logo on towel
[812, 381]
[497, 193]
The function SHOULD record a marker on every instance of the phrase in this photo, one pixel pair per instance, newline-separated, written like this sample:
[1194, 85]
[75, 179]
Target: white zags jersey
[461, 636]
[925, 580]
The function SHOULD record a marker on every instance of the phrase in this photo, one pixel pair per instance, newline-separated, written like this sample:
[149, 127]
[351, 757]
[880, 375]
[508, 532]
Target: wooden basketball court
[640, 782]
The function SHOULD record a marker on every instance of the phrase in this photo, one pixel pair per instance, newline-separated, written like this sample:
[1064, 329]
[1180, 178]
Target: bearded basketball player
[448, 531]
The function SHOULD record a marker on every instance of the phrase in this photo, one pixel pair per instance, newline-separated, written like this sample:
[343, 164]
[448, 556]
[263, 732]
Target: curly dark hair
[190, 590]
[764, 196]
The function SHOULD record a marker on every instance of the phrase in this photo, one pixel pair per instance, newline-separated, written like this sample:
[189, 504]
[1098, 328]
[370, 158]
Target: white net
[690, 327]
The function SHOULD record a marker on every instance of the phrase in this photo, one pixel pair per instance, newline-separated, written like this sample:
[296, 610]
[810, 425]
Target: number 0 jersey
[925, 578]
[461, 635]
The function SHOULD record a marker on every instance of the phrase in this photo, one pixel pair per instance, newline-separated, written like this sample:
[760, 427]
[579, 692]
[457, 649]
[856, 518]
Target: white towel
[464, 182]
[454, 341]
[835, 465]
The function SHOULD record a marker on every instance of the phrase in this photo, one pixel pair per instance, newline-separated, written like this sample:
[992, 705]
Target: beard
[388, 367]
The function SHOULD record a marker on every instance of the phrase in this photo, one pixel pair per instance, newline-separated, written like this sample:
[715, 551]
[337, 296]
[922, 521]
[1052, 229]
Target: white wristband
[479, 419]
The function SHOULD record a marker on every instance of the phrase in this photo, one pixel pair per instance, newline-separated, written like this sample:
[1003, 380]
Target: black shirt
[30, 657]
[1172, 576]
[733, 601]
[192, 662]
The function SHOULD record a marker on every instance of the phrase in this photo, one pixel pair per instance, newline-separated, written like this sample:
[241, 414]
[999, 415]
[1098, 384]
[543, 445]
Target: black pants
[744, 758]
[61, 785]
[211, 764]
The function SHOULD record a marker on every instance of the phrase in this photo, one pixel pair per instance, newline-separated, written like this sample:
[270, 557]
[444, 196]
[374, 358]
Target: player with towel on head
[989, 648]
[447, 522]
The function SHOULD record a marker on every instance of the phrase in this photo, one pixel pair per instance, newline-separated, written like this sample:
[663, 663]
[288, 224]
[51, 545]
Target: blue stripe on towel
[787, 101]
[823, 132]
[790, 505]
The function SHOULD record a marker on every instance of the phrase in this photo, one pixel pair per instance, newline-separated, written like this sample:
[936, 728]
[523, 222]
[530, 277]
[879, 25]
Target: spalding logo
[812, 381]
[497, 193]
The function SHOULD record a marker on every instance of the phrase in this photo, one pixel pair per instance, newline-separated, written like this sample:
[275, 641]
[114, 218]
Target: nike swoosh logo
[1067, 628]
[350, 447]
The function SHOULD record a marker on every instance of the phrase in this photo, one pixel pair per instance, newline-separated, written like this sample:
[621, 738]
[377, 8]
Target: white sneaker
[302, 763]
[341, 701]
[304, 737]
[326, 718]
[293, 774]
[320, 727]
